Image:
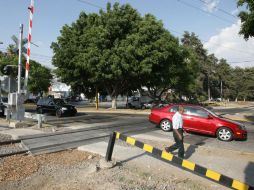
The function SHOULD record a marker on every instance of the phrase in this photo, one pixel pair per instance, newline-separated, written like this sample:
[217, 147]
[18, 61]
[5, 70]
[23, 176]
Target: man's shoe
[182, 157]
[167, 149]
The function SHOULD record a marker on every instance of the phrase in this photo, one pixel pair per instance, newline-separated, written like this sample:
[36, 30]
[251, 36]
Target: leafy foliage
[118, 50]
[39, 76]
[217, 77]
[247, 18]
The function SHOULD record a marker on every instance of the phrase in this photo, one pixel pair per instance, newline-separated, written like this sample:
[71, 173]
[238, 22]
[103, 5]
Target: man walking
[177, 121]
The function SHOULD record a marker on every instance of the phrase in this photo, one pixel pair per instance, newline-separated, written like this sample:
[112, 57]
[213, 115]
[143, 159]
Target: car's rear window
[188, 110]
[173, 109]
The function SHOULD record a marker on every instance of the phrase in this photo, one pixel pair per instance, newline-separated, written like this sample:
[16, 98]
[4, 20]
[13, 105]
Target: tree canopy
[247, 18]
[39, 76]
[119, 50]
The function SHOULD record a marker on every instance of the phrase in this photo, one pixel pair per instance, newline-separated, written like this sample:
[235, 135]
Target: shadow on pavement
[249, 174]
[133, 157]
[250, 118]
[191, 149]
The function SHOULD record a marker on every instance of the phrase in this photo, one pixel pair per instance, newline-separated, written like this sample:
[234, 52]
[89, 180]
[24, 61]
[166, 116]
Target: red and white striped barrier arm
[31, 8]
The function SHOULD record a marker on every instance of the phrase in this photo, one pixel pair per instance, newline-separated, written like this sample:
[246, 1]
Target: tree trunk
[127, 100]
[236, 99]
[114, 102]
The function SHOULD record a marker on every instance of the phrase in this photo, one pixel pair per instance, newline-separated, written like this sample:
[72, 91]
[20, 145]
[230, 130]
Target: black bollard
[110, 148]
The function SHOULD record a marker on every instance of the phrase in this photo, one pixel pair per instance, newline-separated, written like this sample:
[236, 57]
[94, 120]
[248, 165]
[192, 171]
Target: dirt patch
[19, 166]
[80, 170]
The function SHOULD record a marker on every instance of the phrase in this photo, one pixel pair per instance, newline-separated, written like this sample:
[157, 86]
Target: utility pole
[208, 87]
[20, 54]
[221, 93]
[97, 99]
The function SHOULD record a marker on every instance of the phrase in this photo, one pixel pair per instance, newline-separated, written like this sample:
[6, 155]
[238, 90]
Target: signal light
[7, 70]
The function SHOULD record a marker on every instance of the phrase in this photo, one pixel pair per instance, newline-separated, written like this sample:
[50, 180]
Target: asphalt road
[225, 110]
[84, 120]
[102, 119]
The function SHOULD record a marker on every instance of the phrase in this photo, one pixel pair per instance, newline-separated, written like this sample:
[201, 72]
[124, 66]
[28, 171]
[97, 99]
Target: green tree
[238, 87]
[192, 42]
[247, 18]
[39, 76]
[224, 76]
[117, 50]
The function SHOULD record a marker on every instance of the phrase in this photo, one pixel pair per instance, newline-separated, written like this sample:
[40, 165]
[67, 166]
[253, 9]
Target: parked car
[159, 104]
[55, 106]
[199, 120]
[31, 101]
[2, 108]
[3, 105]
[139, 103]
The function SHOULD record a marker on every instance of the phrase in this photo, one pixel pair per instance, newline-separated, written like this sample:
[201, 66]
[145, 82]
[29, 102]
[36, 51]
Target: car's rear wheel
[224, 134]
[166, 125]
[74, 113]
[58, 113]
[39, 111]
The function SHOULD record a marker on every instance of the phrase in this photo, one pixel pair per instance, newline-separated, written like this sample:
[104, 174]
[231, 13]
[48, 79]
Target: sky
[214, 21]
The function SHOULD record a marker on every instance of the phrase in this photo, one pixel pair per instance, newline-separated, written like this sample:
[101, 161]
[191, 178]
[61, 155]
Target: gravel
[10, 148]
[75, 170]
[5, 137]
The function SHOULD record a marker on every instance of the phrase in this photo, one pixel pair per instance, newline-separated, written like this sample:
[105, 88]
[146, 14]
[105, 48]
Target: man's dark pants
[178, 144]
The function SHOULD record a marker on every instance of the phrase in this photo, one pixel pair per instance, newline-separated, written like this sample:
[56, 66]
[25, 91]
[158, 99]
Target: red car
[199, 120]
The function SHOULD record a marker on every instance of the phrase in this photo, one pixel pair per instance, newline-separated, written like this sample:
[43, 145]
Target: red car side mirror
[210, 117]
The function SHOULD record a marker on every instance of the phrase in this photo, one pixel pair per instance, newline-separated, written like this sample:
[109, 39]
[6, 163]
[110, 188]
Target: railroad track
[58, 141]
[10, 147]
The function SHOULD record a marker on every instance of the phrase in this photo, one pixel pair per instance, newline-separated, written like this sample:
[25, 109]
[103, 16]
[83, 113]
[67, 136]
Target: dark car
[2, 108]
[139, 103]
[55, 106]
[199, 120]
[3, 103]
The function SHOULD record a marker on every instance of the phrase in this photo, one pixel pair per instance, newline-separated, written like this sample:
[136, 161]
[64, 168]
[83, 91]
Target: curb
[187, 165]
[235, 118]
[147, 112]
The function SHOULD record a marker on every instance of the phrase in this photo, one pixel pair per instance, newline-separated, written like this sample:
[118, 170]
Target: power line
[83, 1]
[217, 44]
[197, 8]
[219, 9]
[241, 61]
[91, 4]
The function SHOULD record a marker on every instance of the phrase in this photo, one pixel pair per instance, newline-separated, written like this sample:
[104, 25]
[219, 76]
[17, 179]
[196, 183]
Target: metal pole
[9, 86]
[31, 9]
[20, 54]
[208, 87]
[221, 93]
[96, 99]
[110, 148]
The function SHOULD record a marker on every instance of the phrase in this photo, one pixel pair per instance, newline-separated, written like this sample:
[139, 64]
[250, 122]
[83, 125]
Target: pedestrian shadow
[250, 118]
[249, 174]
[191, 149]
[132, 158]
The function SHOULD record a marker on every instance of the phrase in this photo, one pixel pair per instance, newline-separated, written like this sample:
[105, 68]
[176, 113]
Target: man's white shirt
[177, 121]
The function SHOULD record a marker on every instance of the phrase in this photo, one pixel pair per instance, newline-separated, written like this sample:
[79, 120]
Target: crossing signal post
[7, 70]
[15, 109]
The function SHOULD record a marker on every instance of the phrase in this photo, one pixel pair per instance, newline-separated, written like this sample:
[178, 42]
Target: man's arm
[178, 134]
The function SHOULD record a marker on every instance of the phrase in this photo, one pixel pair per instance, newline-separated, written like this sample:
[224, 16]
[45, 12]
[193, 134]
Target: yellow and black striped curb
[190, 166]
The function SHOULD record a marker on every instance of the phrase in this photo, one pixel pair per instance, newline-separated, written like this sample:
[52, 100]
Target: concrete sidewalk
[229, 163]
